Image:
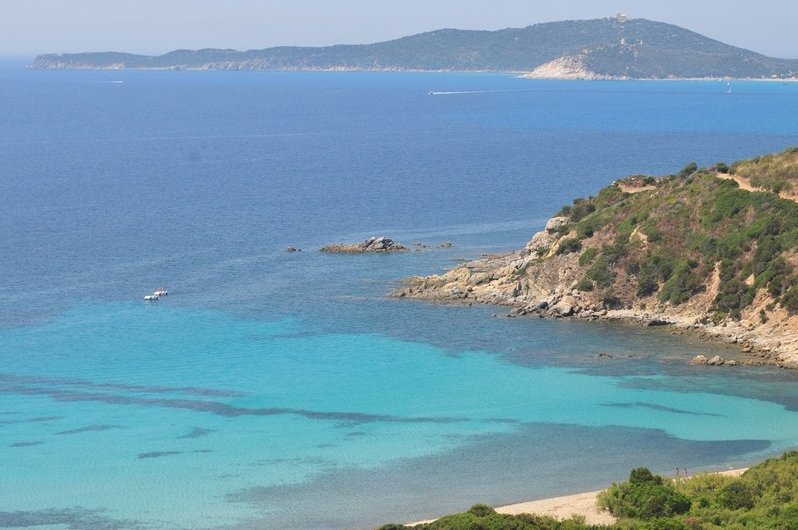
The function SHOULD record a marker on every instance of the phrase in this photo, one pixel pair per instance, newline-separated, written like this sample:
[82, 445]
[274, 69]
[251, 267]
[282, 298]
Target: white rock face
[555, 222]
[566, 67]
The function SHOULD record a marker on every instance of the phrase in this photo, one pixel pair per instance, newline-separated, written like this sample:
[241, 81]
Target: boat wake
[467, 92]
[458, 92]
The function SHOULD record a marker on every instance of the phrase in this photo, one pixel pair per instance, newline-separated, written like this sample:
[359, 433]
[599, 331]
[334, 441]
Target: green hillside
[645, 237]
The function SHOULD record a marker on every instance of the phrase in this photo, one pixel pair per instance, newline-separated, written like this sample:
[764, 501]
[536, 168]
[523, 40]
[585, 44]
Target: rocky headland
[712, 251]
[371, 245]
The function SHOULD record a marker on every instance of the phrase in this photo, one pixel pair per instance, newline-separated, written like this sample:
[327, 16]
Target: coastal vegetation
[604, 48]
[669, 240]
[713, 250]
[765, 496]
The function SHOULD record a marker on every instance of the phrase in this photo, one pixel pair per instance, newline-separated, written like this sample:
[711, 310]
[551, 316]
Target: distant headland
[607, 48]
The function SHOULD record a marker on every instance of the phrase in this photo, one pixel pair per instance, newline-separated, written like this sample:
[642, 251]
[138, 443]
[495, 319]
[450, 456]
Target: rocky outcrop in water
[374, 244]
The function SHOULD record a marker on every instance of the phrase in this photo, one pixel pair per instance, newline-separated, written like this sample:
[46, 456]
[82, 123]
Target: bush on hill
[646, 496]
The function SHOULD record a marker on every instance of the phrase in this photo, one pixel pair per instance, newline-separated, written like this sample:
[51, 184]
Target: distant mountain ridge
[601, 48]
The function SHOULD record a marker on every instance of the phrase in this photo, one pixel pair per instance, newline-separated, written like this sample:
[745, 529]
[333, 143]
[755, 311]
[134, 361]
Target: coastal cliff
[711, 250]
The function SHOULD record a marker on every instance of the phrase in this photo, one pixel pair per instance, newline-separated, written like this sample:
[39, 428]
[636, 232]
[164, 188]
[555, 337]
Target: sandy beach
[583, 504]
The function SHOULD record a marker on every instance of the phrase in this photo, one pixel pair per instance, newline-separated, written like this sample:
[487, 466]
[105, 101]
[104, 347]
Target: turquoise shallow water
[285, 390]
[146, 410]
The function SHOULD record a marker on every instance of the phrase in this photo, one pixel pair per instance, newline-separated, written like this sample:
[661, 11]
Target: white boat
[160, 292]
[151, 297]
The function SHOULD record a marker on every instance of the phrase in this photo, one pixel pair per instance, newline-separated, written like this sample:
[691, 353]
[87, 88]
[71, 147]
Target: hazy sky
[30, 27]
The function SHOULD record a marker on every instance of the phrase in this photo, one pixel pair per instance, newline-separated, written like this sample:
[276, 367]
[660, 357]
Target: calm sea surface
[285, 390]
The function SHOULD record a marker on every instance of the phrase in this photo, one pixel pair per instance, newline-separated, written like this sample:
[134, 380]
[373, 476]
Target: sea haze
[285, 390]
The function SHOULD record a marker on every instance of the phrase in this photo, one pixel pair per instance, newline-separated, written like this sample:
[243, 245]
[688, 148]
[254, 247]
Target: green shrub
[486, 518]
[735, 496]
[590, 225]
[587, 256]
[481, 510]
[721, 167]
[681, 285]
[581, 209]
[790, 299]
[646, 496]
[565, 211]
[647, 283]
[653, 233]
[569, 245]
[600, 272]
[664, 524]
[643, 475]
[585, 285]
[687, 170]
[632, 268]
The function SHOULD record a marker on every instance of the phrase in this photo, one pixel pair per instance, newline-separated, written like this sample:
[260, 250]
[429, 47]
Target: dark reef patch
[512, 463]
[25, 444]
[90, 428]
[70, 518]
[38, 419]
[654, 406]
[159, 454]
[220, 409]
[197, 432]
[75, 382]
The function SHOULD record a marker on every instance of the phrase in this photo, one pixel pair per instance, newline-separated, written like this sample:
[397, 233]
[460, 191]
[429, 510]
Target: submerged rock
[716, 360]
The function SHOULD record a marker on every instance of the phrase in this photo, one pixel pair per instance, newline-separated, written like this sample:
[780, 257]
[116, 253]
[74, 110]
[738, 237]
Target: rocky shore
[540, 281]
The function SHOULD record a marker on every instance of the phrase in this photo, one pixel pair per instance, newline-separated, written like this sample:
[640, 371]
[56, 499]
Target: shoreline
[540, 280]
[517, 74]
[579, 504]
[758, 349]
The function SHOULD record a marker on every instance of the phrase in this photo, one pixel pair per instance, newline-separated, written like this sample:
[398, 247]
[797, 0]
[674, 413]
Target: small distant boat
[157, 294]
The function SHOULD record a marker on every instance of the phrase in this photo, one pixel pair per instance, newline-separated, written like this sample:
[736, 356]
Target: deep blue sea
[285, 390]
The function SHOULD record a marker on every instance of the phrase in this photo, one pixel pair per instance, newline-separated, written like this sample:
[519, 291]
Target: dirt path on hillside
[745, 184]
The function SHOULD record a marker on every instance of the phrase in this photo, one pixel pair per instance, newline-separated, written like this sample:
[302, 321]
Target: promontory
[714, 250]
